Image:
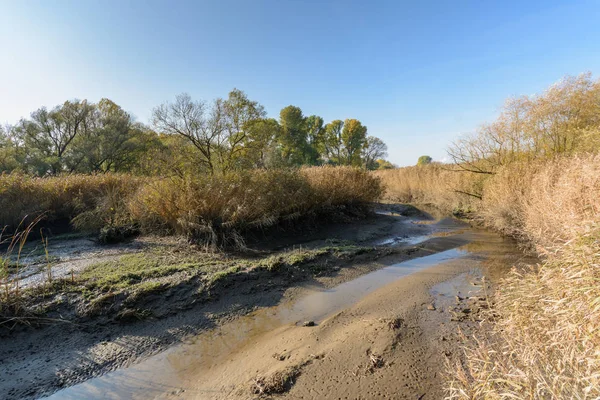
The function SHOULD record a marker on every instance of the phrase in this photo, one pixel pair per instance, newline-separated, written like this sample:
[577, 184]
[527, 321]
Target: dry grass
[542, 338]
[91, 200]
[276, 383]
[12, 245]
[545, 337]
[546, 203]
[215, 210]
[432, 184]
[341, 186]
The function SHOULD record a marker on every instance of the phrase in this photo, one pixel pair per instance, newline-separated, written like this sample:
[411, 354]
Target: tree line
[185, 136]
[563, 120]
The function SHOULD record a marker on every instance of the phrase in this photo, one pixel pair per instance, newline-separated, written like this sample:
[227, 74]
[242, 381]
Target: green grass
[106, 287]
[131, 269]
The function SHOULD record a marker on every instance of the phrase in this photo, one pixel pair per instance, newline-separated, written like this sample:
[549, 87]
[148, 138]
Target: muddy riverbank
[266, 311]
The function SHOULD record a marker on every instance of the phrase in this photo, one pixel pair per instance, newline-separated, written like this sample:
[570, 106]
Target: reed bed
[542, 338]
[214, 209]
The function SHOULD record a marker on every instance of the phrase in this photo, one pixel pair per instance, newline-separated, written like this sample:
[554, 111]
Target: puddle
[166, 371]
[389, 213]
[409, 240]
[464, 285]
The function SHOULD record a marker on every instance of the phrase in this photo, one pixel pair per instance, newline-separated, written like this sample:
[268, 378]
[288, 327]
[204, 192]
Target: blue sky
[418, 74]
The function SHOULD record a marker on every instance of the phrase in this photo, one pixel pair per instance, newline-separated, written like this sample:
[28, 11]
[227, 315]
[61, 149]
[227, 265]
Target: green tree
[333, 141]
[354, 135]
[293, 135]
[384, 164]
[49, 134]
[315, 139]
[168, 155]
[261, 148]
[107, 141]
[239, 116]
[424, 160]
[10, 159]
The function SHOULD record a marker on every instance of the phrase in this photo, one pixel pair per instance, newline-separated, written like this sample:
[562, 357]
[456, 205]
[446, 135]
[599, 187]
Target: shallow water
[166, 371]
[410, 240]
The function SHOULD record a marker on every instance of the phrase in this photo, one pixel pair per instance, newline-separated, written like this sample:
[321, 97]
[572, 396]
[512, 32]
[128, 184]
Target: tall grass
[543, 339]
[63, 198]
[432, 184]
[216, 210]
[545, 342]
[12, 245]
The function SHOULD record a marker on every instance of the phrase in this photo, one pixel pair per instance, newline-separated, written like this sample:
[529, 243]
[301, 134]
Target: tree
[50, 133]
[354, 135]
[191, 120]
[293, 135]
[333, 141]
[384, 164]
[373, 149]
[168, 155]
[315, 139]
[106, 142]
[9, 150]
[261, 149]
[239, 115]
[563, 119]
[424, 160]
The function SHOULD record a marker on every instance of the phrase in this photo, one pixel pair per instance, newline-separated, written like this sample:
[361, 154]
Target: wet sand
[386, 334]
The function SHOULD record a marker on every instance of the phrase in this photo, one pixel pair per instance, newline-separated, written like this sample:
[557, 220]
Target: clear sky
[418, 74]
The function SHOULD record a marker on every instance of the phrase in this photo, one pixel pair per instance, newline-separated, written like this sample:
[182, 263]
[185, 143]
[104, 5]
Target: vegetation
[125, 286]
[209, 171]
[424, 160]
[213, 209]
[533, 174]
[544, 340]
[189, 137]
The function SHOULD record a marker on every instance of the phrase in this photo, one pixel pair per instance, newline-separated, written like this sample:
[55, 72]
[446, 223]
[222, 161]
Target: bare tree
[373, 150]
[563, 119]
[191, 120]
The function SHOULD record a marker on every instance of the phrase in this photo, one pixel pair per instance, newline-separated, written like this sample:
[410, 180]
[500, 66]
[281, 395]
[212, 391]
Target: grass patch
[129, 270]
[130, 281]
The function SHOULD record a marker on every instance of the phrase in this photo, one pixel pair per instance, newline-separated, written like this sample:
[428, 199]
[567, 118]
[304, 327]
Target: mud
[374, 335]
